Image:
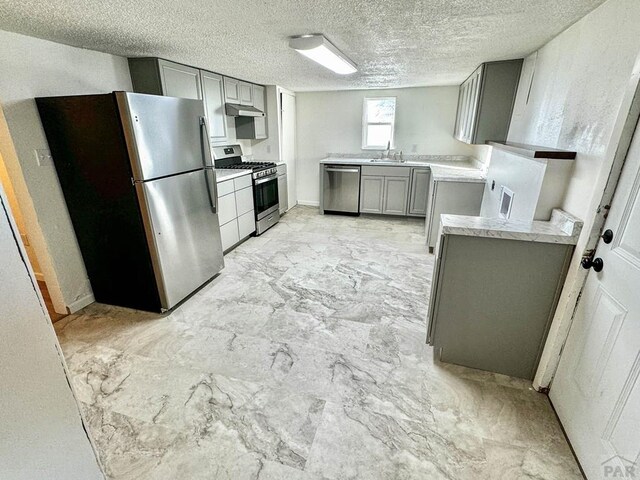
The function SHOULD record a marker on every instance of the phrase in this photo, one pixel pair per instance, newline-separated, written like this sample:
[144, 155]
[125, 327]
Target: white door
[596, 390]
[42, 434]
[288, 106]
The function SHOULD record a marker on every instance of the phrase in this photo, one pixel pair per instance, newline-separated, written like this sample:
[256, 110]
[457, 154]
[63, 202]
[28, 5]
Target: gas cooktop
[249, 166]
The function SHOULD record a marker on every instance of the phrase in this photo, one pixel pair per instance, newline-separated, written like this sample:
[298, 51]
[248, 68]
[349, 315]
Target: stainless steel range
[265, 183]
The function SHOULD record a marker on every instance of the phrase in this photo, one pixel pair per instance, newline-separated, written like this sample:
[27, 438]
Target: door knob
[596, 263]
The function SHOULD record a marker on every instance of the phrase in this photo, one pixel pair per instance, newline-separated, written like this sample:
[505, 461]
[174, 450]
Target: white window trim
[365, 124]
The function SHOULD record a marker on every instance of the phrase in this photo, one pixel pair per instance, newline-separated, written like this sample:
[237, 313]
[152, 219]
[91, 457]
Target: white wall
[331, 122]
[42, 435]
[579, 79]
[30, 68]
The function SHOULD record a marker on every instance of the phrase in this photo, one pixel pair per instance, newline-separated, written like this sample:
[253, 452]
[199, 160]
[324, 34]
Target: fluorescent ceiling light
[319, 49]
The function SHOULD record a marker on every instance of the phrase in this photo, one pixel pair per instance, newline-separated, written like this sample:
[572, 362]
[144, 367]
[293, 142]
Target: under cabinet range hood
[237, 110]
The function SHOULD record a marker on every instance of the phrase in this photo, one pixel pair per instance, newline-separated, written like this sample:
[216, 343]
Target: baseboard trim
[81, 303]
[309, 203]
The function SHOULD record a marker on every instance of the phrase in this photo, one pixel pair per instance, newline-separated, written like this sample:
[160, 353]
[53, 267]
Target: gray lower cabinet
[496, 315]
[455, 198]
[371, 193]
[419, 192]
[384, 190]
[396, 192]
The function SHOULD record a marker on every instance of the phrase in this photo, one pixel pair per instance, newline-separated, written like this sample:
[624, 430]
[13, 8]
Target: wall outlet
[268, 148]
[43, 157]
[414, 148]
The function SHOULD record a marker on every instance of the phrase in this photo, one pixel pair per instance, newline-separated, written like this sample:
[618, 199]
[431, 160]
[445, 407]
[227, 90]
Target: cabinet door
[244, 200]
[396, 193]
[229, 234]
[419, 191]
[258, 102]
[179, 80]
[231, 90]
[246, 224]
[213, 92]
[246, 93]
[227, 208]
[371, 193]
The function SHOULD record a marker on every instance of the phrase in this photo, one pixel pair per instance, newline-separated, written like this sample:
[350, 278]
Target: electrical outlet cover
[43, 157]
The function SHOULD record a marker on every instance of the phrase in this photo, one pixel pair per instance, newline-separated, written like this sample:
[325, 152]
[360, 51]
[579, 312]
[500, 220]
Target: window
[378, 122]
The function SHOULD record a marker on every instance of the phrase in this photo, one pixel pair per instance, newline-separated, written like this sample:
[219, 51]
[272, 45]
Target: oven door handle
[266, 179]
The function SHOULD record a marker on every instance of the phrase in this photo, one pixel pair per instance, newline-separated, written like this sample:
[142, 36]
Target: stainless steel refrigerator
[140, 186]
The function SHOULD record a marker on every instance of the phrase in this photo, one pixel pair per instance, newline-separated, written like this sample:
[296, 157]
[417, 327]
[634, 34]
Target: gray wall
[331, 122]
[30, 68]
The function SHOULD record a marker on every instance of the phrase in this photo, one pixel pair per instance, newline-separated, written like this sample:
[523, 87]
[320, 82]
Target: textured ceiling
[395, 43]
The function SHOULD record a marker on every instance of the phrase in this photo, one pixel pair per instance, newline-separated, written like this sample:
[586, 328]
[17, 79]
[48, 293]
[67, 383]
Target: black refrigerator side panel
[90, 155]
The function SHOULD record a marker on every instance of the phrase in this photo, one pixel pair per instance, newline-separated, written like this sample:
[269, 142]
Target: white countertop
[442, 170]
[229, 173]
[563, 228]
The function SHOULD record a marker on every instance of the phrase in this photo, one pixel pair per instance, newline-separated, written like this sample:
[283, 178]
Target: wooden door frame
[34, 232]
[614, 159]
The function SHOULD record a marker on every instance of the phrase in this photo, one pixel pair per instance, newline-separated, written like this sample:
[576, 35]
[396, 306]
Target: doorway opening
[16, 203]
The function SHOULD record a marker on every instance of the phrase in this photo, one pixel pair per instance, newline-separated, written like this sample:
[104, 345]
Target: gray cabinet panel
[371, 194]
[179, 80]
[419, 192]
[231, 90]
[495, 316]
[396, 192]
[213, 93]
[485, 102]
[246, 93]
[260, 123]
[456, 198]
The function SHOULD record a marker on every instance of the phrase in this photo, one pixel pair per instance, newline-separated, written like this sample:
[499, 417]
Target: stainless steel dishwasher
[341, 187]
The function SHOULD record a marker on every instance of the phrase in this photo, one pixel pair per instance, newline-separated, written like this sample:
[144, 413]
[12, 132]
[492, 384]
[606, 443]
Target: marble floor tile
[305, 359]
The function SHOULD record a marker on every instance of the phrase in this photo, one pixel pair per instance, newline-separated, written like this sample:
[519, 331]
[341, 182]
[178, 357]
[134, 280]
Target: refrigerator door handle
[209, 171]
[207, 157]
[212, 188]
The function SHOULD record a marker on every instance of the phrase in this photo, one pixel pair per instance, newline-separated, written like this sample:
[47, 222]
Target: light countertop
[228, 174]
[562, 228]
[443, 170]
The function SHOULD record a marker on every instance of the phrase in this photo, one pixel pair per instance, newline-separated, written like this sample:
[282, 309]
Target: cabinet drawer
[227, 208]
[242, 182]
[225, 188]
[244, 200]
[246, 224]
[229, 234]
[381, 171]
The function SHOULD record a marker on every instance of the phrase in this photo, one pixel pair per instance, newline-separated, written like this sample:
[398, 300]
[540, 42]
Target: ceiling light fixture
[319, 49]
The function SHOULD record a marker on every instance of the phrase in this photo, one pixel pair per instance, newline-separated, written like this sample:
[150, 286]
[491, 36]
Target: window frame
[366, 123]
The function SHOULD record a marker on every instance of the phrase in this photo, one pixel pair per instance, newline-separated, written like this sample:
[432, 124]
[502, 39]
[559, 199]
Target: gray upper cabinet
[258, 102]
[396, 191]
[246, 93]
[485, 102]
[162, 77]
[419, 192]
[231, 90]
[213, 92]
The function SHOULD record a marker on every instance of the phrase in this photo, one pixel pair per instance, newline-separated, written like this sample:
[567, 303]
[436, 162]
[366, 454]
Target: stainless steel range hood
[237, 110]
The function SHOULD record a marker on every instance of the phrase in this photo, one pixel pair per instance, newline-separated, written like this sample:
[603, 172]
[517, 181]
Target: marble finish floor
[304, 360]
